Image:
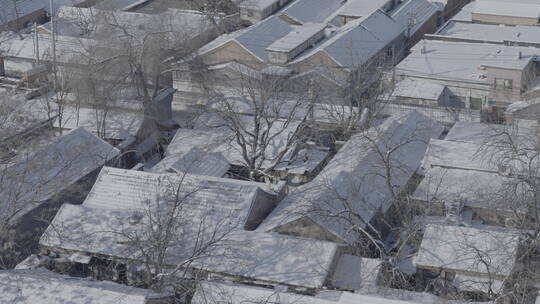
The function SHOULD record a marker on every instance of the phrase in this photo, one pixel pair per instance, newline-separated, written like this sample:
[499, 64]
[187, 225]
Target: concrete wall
[497, 19]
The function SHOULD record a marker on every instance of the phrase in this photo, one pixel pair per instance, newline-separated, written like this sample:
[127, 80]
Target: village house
[476, 76]
[517, 12]
[209, 292]
[517, 35]
[353, 182]
[42, 286]
[300, 46]
[256, 10]
[33, 189]
[474, 259]
[472, 184]
[16, 15]
[523, 110]
[216, 217]
[419, 17]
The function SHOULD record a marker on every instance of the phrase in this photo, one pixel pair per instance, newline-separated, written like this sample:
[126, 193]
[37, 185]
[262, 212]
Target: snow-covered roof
[420, 10]
[491, 33]
[410, 88]
[361, 8]
[19, 115]
[217, 292]
[353, 177]
[50, 170]
[314, 11]
[206, 238]
[113, 124]
[462, 61]
[118, 4]
[516, 8]
[488, 156]
[196, 161]
[42, 286]
[67, 48]
[474, 189]
[183, 23]
[476, 132]
[353, 272]
[222, 140]
[12, 10]
[477, 284]
[474, 251]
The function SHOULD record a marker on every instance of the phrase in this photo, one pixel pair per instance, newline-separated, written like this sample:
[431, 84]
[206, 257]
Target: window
[503, 84]
[250, 13]
[476, 103]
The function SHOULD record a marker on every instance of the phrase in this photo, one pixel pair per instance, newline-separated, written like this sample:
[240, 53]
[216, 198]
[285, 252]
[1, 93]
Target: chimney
[519, 55]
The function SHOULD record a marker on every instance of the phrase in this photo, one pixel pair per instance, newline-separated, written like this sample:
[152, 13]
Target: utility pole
[36, 38]
[53, 29]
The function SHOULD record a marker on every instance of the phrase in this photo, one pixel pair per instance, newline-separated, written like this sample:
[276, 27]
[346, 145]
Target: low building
[523, 110]
[353, 183]
[209, 292]
[485, 197]
[32, 190]
[356, 9]
[214, 220]
[301, 46]
[478, 76]
[16, 15]
[42, 286]
[518, 35]
[518, 12]
[419, 17]
[256, 10]
[476, 259]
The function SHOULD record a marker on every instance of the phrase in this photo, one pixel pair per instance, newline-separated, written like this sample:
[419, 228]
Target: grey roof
[43, 286]
[315, 11]
[409, 88]
[485, 133]
[491, 33]
[461, 61]
[297, 37]
[420, 10]
[469, 250]
[50, 170]
[361, 8]
[262, 35]
[354, 175]
[357, 41]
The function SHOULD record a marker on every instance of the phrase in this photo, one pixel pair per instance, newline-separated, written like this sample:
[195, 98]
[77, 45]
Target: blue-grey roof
[263, 34]
[418, 10]
[312, 10]
[357, 43]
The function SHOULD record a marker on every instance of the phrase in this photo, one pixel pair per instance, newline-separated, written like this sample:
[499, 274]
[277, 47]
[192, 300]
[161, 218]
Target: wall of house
[231, 51]
[305, 227]
[38, 16]
[497, 19]
[460, 93]
[26, 231]
[429, 27]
